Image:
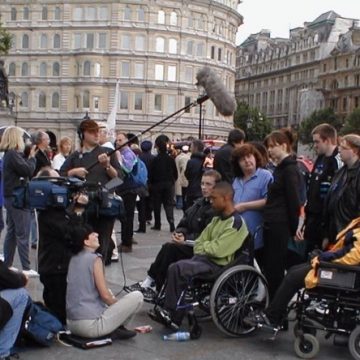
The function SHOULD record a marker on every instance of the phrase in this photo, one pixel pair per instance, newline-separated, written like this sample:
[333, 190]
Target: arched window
[56, 69]
[56, 41]
[43, 69]
[43, 41]
[44, 13]
[127, 13]
[173, 18]
[87, 68]
[160, 44]
[86, 99]
[24, 69]
[12, 69]
[26, 13]
[172, 46]
[55, 100]
[24, 102]
[42, 100]
[25, 41]
[57, 13]
[161, 17]
[13, 14]
[140, 14]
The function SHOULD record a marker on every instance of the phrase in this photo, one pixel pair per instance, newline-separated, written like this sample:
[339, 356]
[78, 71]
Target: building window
[42, 100]
[13, 14]
[200, 49]
[87, 68]
[190, 21]
[160, 44]
[24, 101]
[212, 52]
[90, 14]
[86, 99]
[161, 17]
[90, 41]
[187, 103]
[140, 43]
[125, 69]
[125, 42]
[127, 13]
[44, 13]
[171, 103]
[57, 13]
[13, 41]
[24, 69]
[56, 69]
[159, 72]
[172, 46]
[25, 41]
[55, 100]
[102, 41]
[139, 70]
[347, 63]
[158, 102]
[103, 13]
[96, 102]
[77, 14]
[97, 70]
[43, 41]
[26, 13]
[172, 73]
[346, 81]
[77, 41]
[43, 69]
[219, 54]
[189, 75]
[138, 105]
[189, 47]
[12, 69]
[173, 18]
[56, 41]
[124, 100]
[140, 14]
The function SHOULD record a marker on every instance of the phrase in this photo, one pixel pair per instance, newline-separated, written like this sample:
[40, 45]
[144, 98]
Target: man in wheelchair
[346, 251]
[213, 249]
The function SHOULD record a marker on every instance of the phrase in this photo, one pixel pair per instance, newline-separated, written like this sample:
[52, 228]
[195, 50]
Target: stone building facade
[282, 77]
[67, 56]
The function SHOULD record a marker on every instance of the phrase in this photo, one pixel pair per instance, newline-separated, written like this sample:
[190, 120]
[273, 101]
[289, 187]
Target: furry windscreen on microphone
[215, 89]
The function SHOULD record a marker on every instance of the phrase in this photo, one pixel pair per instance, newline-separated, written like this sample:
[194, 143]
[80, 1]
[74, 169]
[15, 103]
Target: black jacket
[195, 219]
[222, 163]
[41, 160]
[162, 170]
[147, 158]
[342, 203]
[283, 199]
[194, 171]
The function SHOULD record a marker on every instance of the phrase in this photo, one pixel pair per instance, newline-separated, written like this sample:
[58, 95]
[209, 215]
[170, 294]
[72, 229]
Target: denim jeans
[18, 299]
[17, 234]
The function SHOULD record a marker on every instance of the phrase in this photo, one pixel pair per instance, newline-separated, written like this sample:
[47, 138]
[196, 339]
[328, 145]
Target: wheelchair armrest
[331, 265]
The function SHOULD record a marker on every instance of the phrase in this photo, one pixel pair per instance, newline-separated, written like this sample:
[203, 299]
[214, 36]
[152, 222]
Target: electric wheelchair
[225, 296]
[333, 307]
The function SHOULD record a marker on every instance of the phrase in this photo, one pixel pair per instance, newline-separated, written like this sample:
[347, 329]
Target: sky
[279, 16]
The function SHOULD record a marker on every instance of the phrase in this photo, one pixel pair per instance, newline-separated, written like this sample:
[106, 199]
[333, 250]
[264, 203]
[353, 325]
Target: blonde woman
[65, 148]
[15, 167]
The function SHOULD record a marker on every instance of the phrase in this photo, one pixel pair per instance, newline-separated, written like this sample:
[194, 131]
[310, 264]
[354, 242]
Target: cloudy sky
[281, 15]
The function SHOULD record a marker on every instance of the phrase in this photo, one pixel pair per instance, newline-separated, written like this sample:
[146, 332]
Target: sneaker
[13, 268]
[122, 333]
[149, 294]
[257, 319]
[114, 257]
[31, 273]
[133, 287]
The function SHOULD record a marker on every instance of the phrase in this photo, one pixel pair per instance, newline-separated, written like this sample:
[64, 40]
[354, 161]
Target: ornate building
[281, 77]
[67, 56]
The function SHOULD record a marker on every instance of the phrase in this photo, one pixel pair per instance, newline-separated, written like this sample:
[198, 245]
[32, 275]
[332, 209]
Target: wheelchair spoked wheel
[235, 293]
[306, 346]
[354, 343]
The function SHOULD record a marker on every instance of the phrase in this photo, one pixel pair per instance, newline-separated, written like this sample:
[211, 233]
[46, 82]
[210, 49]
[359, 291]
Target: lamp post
[13, 103]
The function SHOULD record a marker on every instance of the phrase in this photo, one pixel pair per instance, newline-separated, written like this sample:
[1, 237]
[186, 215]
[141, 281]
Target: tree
[5, 41]
[254, 123]
[352, 123]
[316, 118]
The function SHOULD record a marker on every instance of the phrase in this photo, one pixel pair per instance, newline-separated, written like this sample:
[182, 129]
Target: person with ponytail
[282, 208]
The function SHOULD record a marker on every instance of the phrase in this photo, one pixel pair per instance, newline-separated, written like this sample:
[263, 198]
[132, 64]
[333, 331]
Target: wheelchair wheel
[306, 328]
[354, 343]
[235, 293]
[306, 346]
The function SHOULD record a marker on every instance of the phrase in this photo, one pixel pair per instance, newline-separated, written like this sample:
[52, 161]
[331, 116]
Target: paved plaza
[213, 345]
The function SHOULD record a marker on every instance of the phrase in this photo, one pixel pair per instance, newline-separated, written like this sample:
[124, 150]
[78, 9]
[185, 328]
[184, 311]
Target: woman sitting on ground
[92, 310]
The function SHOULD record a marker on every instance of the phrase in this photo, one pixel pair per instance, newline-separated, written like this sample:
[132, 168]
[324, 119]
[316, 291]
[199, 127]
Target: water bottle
[178, 336]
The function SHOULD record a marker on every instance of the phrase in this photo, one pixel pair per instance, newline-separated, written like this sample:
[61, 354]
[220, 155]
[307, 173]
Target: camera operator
[107, 168]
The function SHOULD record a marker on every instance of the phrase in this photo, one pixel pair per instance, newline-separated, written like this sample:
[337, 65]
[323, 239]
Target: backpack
[41, 327]
[140, 173]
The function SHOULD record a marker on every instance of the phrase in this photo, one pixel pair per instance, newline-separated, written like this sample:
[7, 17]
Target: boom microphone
[215, 91]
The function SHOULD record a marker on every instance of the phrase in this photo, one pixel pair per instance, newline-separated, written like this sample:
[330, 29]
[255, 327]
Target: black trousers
[127, 224]
[276, 236]
[168, 254]
[313, 232]
[163, 194]
[293, 281]
[180, 275]
[54, 294]
[141, 207]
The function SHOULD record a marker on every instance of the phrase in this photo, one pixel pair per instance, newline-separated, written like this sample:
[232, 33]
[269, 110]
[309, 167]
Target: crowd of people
[248, 189]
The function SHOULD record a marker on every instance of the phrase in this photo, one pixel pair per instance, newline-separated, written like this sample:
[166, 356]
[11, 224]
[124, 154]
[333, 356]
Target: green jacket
[221, 238]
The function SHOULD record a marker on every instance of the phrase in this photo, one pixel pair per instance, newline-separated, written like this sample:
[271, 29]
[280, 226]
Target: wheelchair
[225, 296]
[333, 307]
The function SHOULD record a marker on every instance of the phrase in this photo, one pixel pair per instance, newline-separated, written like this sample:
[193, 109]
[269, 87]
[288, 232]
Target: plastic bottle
[178, 336]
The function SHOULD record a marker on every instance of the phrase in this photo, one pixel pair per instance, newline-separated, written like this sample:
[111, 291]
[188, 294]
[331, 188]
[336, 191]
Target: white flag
[111, 120]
